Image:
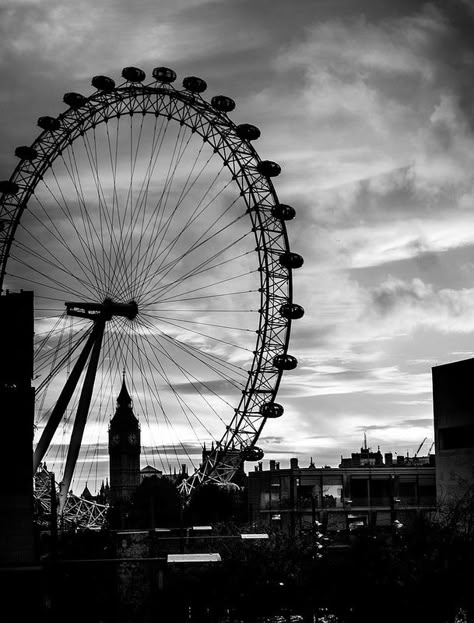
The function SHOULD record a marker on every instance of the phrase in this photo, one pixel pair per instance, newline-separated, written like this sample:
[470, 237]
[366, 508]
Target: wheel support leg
[63, 401]
[81, 415]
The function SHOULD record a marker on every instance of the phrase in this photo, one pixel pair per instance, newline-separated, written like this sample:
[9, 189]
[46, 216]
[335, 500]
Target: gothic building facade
[124, 450]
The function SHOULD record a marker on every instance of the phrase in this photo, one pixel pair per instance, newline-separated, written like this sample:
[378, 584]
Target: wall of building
[295, 498]
[453, 410]
[17, 409]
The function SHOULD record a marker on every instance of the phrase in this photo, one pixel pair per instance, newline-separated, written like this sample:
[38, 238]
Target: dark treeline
[424, 573]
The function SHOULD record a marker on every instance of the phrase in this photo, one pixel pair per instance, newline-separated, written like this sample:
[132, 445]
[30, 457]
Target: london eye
[151, 233]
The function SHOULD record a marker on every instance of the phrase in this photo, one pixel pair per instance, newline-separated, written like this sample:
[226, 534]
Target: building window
[360, 491]
[456, 437]
[380, 492]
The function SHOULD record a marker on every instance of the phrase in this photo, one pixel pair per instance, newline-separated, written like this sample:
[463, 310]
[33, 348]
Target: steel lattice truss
[78, 512]
[189, 109]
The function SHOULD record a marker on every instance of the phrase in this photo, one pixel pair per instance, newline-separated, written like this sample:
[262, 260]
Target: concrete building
[453, 410]
[374, 495]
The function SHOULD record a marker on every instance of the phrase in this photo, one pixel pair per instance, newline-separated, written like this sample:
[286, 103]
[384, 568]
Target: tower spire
[124, 399]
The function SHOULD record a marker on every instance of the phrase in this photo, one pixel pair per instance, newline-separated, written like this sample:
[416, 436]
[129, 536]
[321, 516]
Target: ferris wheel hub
[102, 311]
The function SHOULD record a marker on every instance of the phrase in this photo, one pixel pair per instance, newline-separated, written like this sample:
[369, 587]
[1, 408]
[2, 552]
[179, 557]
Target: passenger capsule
[164, 74]
[74, 100]
[271, 410]
[247, 132]
[291, 311]
[133, 74]
[26, 153]
[8, 188]
[268, 168]
[49, 123]
[222, 103]
[283, 212]
[291, 260]
[285, 362]
[195, 85]
[103, 83]
[252, 454]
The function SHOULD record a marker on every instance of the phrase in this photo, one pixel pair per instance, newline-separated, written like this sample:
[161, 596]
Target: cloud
[407, 304]
[415, 422]
[383, 96]
[371, 119]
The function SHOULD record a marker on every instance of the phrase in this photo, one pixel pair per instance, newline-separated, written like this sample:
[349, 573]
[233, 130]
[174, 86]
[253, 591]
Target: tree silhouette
[156, 504]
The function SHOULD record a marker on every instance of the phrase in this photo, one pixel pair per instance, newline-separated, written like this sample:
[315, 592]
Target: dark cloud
[395, 292]
[218, 386]
[407, 422]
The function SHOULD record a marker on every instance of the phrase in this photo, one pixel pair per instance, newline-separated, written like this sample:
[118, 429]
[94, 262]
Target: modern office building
[363, 490]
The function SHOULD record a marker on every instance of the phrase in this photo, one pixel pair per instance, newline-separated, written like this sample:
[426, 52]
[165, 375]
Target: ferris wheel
[150, 231]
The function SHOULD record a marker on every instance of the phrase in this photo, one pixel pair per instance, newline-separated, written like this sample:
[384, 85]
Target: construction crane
[419, 447]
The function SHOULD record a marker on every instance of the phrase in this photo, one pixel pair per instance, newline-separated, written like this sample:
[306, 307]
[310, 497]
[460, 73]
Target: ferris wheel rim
[258, 193]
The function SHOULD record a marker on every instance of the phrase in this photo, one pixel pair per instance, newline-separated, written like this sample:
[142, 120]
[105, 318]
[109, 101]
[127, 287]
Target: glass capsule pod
[222, 103]
[271, 410]
[194, 84]
[48, 123]
[26, 153]
[285, 362]
[291, 311]
[74, 100]
[283, 212]
[8, 188]
[268, 168]
[133, 74]
[291, 260]
[247, 132]
[103, 83]
[252, 454]
[164, 74]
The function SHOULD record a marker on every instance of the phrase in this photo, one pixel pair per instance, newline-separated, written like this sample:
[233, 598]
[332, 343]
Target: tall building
[17, 410]
[124, 450]
[453, 410]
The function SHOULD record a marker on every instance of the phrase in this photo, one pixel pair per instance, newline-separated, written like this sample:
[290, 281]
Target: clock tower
[124, 449]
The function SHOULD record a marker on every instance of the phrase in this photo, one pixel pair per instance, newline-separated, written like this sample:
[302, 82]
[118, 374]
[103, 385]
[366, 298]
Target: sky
[367, 105]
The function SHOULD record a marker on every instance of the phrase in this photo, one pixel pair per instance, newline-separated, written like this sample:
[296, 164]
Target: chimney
[294, 463]
[272, 465]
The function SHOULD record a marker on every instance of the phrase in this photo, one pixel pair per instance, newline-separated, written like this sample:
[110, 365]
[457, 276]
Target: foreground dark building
[453, 410]
[17, 409]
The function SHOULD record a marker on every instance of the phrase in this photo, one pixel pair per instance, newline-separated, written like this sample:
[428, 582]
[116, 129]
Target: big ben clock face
[115, 440]
[133, 439]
